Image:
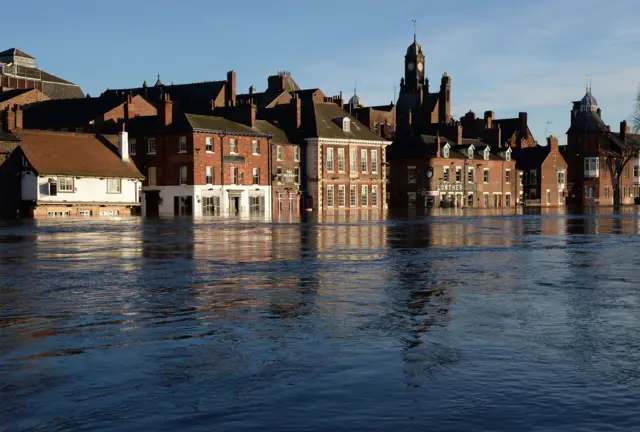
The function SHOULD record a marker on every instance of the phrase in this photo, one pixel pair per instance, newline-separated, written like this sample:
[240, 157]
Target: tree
[636, 113]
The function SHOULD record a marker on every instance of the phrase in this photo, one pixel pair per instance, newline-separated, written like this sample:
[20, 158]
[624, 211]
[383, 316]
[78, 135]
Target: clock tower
[414, 67]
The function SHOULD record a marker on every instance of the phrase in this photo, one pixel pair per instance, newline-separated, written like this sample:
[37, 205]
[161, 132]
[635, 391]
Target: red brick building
[544, 174]
[601, 163]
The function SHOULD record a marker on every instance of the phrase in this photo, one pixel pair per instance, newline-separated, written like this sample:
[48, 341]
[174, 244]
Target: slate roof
[632, 141]
[324, 124]
[56, 114]
[220, 124]
[193, 97]
[587, 122]
[531, 157]
[15, 52]
[58, 153]
[278, 134]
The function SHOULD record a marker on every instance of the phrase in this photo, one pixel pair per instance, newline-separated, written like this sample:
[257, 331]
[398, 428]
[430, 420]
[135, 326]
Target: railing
[591, 174]
[532, 202]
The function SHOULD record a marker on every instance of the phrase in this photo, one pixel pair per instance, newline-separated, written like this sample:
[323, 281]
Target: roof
[10, 94]
[389, 107]
[425, 146]
[58, 153]
[531, 157]
[325, 126]
[278, 134]
[57, 113]
[356, 100]
[587, 122]
[193, 97]
[415, 48]
[15, 52]
[630, 142]
[220, 124]
[4, 136]
[588, 102]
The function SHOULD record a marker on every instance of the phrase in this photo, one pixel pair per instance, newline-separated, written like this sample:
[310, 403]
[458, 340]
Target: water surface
[454, 321]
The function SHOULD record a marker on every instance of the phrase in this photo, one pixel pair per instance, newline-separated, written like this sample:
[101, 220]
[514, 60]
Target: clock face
[410, 66]
[420, 66]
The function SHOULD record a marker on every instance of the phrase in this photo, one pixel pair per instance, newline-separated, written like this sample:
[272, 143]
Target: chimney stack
[296, 105]
[624, 129]
[247, 114]
[11, 118]
[18, 117]
[524, 124]
[230, 89]
[123, 144]
[552, 142]
[488, 119]
[165, 110]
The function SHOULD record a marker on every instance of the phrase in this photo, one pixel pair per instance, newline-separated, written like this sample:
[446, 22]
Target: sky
[503, 55]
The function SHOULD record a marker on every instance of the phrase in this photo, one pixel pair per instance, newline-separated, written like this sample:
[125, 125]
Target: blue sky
[505, 56]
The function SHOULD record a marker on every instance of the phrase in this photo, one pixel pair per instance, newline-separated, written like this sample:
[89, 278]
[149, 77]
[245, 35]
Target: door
[256, 205]
[152, 203]
[234, 205]
[183, 206]
[210, 206]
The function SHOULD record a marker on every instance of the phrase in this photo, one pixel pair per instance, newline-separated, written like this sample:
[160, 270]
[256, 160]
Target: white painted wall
[168, 193]
[29, 186]
[87, 190]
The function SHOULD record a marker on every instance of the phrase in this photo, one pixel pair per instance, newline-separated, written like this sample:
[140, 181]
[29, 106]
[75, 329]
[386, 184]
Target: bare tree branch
[636, 113]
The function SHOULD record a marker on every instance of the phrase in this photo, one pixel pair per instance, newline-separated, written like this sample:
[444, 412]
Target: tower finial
[414, 30]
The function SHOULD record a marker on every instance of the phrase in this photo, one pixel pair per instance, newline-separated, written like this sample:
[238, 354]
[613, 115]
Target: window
[233, 175]
[255, 147]
[561, 177]
[330, 196]
[208, 144]
[374, 161]
[209, 175]
[65, 184]
[470, 200]
[374, 195]
[525, 178]
[533, 177]
[114, 186]
[548, 196]
[296, 153]
[486, 153]
[445, 174]
[507, 200]
[279, 175]
[507, 176]
[364, 161]
[210, 206]
[329, 159]
[626, 171]
[84, 212]
[233, 146]
[58, 214]
[151, 146]
[183, 175]
[353, 196]
[470, 152]
[346, 124]
[341, 196]
[364, 195]
[486, 176]
[256, 176]
[151, 176]
[296, 174]
[591, 167]
[486, 200]
[256, 204]
[636, 170]
[470, 176]
[445, 151]
[411, 175]
[353, 160]
[376, 128]
[458, 174]
[507, 155]
[340, 160]
[606, 191]
[520, 176]
[182, 144]
[132, 147]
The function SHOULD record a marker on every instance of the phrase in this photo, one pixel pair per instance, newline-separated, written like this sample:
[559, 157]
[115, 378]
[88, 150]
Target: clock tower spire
[414, 67]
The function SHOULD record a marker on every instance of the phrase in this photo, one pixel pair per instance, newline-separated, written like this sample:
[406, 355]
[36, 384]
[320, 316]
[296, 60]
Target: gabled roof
[426, 146]
[587, 122]
[58, 153]
[531, 157]
[324, 124]
[278, 134]
[220, 124]
[10, 94]
[15, 52]
[57, 113]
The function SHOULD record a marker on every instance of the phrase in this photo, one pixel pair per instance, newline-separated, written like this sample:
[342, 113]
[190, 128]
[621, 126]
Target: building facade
[543, 175]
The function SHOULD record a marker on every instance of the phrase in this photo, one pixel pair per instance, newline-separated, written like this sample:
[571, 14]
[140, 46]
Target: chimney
[230, 89]
[624, 129]
[524, 124]
[438, 144]
[252, 90]
[165, 110]
[247, 114]
[123, 144]
[459, 133]
[296, 105]
[552, 142]
[18, 117]
[11, 118]
[277, 83]
[488, 119]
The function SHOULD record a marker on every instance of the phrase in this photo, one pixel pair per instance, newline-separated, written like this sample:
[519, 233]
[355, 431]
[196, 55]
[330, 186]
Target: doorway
[234, 205]
[211, 206]
[152, 203]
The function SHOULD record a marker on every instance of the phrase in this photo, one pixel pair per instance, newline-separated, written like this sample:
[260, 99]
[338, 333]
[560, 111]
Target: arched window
[486, 153]
[507, 155]
[470, 152]
[445, 151]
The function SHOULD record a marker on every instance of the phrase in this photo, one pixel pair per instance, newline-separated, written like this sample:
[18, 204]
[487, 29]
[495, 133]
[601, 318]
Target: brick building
[601, 163]
[18, 70]
[544, 174]
[436, 171]
[380, 119]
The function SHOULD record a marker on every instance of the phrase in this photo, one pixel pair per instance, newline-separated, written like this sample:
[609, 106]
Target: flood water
[454, 321]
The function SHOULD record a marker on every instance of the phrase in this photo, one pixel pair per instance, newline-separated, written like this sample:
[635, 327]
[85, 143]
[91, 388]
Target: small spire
[414, 30]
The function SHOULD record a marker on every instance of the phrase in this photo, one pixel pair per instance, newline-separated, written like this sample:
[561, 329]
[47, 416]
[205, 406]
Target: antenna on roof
[414, 30]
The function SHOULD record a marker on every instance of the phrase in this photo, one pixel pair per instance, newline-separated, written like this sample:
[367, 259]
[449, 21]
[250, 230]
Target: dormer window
[507, 154]
[346, 124]
[445, 151]
[470, 152]
[486, 153]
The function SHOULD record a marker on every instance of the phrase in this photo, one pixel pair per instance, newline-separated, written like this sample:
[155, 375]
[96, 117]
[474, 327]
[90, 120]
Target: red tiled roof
[61, 153]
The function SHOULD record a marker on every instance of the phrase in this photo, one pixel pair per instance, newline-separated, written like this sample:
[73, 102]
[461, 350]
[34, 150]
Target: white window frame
[374, 195]
[470, 152]
[69, 185]
[114, 186]
[485, 176]
[342, 197]
[346, 124]
[330, 161]
[487, 153]
[364, 161]
[255, 147]
[341, 161]
[485, 200]
[233, 146]
[364, 195]
[133, 147]
[255, 173]
[445, 151]
[374, 161]
[182, 144]
[234, 175]
[507, 176]
[280, 175]
[353, 160]
[353, 196]
[208, 175]
[330, 196]
[471, 175]
[208, 144]
[445, 174]
[507, 155]
[279, 155]
[458, 171]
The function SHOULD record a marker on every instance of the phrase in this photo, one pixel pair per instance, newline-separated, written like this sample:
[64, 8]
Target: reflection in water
[463, 320]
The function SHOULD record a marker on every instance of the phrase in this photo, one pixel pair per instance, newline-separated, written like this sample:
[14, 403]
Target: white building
[72, 174]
